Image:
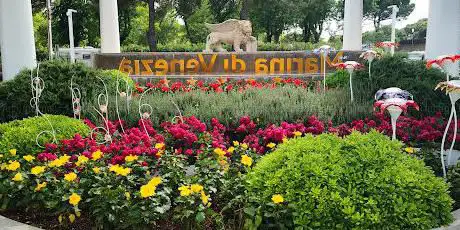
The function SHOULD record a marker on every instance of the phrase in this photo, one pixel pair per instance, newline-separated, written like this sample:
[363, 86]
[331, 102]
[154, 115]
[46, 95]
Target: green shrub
[21, 134]
[267, 106]
[409, 75]
[453, 177]
[363, 181]
[15, 95]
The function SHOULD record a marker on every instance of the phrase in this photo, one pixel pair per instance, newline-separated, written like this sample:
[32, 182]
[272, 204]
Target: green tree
[85, 22]
[378, 10]
[245, 8]
[273, 16]
[223, 9]
[311, 17]
[185, 9]
[197, 20]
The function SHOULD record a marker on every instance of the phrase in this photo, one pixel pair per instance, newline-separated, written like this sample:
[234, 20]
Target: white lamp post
[352, 25]
[71, 39]
[393, 26]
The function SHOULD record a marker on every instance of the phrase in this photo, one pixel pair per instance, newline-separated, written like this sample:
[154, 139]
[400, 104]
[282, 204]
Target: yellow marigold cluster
[13, 152]
[28, 158]
[161, 148]
[40, 186]
[17, 177]
[246, 160]
[131, 158]
[222, 158]
[37, 170]
[74, 199]
[271, 145]
[149, 189]
[13, 166]
[70, 176]
[277, 198]
[187, 190]
[81, 160]
[297, 134]
[59, 162]
[120, 170]
[96, 155]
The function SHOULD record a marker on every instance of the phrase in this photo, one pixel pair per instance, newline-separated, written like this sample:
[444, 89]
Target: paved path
[7, 224]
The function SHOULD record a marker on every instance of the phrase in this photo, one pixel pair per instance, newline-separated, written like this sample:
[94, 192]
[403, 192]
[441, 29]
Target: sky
[420, 11]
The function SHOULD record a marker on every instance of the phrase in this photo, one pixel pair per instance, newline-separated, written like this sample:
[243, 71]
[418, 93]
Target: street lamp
[71, 40]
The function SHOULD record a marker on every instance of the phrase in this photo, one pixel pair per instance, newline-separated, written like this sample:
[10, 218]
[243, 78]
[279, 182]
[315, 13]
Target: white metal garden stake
[453, 89]
[395, 101]
[324, 51]
[369, 56]
[350, 66]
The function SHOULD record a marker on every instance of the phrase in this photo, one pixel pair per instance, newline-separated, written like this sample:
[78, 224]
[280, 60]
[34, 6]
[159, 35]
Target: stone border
[8, 224]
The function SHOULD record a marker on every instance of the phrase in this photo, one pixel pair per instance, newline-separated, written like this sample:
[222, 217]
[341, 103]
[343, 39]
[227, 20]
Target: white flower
[146, 115]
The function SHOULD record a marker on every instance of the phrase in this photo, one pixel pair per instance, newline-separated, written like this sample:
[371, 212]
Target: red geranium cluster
[223, 85]
[190, 136]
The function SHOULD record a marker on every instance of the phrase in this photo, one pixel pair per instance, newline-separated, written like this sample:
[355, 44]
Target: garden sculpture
[350, 66]
[233, 32]
[396, 101]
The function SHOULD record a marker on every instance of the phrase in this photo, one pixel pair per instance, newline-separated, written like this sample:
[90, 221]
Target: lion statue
[233, 32]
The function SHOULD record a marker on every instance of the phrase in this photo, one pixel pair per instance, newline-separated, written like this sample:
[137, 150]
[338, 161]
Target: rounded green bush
[21, 134]
[363, 181]
[56, 98]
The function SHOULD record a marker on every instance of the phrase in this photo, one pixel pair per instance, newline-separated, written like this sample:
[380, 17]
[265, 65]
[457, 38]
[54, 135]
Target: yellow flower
[297, 134]
[29, 158]
[271, 145]
[124, 171]
[13, 152]
[147, 190]
[204, 198]
[159, 153]
[70, 176]
[185, 190]
[17, 177]
[236, 143]
[13, 166]
[131, 158]
[60, 161]
[159, 145]
[74, 199]
[285, 140]
[96, 155]
[244, 146]
[196, 188]
[155, 181]
[410, 150]
[81, 160]
[231, 150]
[246, 160]
[128, 195]
[72, 218]
[37, 170]
[96, 170]
[220, 152]
[40, 186]
[277, 199]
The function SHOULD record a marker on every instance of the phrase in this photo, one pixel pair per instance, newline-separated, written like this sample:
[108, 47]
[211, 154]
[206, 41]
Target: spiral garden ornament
[350, 66]
[38, 85]
[395, 101]
[76, 99]
[145, 110]
[103, 101]
[124, 95]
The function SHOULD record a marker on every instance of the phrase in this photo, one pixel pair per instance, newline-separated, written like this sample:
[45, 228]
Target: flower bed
[186, 172]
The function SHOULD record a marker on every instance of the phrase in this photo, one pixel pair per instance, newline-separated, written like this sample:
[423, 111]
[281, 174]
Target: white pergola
[18, 48]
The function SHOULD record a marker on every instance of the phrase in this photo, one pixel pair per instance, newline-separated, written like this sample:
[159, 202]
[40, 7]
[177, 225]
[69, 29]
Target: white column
[443, 33]
[352, 25]
[110, 32]
[17, 37]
